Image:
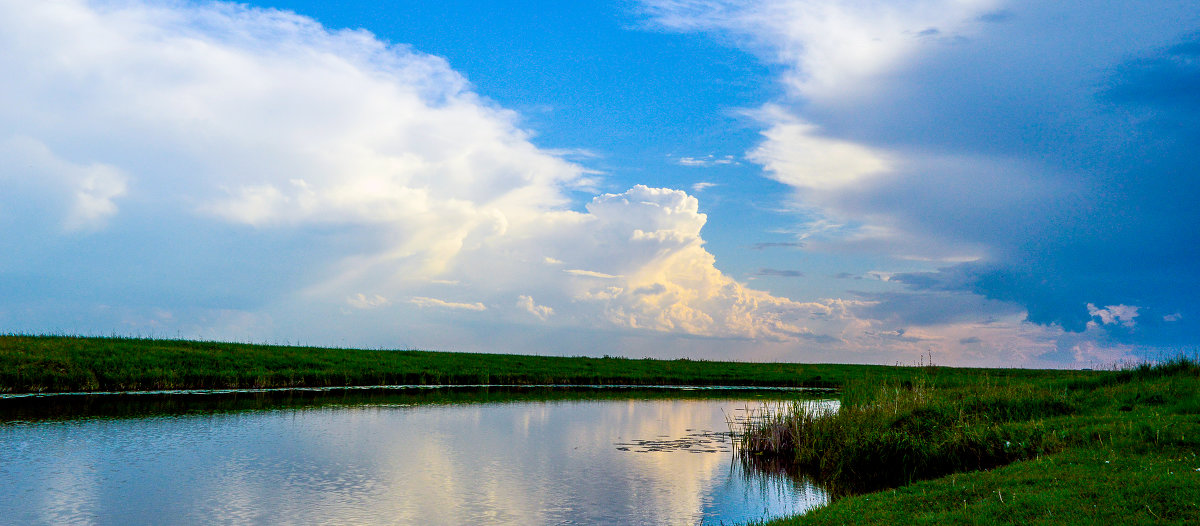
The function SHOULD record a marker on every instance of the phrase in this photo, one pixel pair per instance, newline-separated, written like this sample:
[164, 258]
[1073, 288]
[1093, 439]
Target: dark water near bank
[393, 457]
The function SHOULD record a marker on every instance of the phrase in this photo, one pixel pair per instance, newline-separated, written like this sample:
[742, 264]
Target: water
[396, 461]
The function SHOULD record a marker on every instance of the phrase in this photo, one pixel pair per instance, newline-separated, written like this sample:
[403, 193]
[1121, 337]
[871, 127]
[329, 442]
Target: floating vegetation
[693, 442]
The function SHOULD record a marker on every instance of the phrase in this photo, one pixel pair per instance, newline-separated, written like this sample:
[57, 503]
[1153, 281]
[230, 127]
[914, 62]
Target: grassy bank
[62, 364]
[1114, 447]
[155, 404]
[32, 364]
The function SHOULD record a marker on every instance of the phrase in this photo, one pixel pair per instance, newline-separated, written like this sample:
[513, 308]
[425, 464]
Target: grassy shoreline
[45, 364]
[1118, 447]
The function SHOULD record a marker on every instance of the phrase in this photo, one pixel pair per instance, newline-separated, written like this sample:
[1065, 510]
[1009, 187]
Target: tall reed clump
[891, 434]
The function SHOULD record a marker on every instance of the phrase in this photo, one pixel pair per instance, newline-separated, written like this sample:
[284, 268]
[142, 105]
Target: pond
[415, 456]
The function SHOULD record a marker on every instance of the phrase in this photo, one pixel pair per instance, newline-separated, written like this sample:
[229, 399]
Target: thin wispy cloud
[590, 274]
[776, 244]
[364, 301]
[707, 161]
[779, 273]
[439, 303]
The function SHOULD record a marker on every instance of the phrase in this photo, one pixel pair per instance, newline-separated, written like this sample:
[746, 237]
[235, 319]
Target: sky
[972, 182]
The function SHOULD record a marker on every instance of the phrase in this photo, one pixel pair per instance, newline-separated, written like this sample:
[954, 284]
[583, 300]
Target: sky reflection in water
[561, 462]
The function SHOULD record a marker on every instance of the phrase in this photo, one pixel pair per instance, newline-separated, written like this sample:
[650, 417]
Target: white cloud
[1114, 314]
[706, 161]
[589, 274]
[831, 47]
[702, 186]
[358, 165]
[434, 302]
[266, 119]
[363, 301]
[542, 312]
[86, 193]
[669, 281]
[795, 154]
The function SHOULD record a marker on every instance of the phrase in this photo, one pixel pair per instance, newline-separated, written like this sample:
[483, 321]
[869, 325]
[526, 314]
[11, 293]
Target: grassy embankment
[30, 364]
[64, 364]
[140, 404]
[1113, 447]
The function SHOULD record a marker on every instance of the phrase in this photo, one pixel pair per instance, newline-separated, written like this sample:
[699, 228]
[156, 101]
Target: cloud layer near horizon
[1041, 153]
[221, 171]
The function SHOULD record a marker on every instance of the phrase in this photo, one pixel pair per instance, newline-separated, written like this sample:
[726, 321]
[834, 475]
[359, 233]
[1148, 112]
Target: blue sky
[991, 182]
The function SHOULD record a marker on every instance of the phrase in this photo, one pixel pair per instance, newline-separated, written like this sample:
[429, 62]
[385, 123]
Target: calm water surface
[630, 461]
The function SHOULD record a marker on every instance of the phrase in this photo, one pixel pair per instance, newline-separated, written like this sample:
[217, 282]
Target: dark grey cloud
[899, 335]
[1074, 172]
[931, 307]
[1168, 79]
[823, 339]
[1052, 144]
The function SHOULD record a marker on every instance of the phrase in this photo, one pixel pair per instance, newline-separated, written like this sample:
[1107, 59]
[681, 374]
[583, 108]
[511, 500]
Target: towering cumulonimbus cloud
[227, 171]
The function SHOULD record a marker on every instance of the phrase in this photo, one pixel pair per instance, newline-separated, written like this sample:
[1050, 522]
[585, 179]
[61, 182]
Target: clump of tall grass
[891, 434]
[1181, 365]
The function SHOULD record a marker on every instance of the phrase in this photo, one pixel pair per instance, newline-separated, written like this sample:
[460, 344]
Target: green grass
[34, 364]
[1111, 447]
[63, 364]
[72, 364]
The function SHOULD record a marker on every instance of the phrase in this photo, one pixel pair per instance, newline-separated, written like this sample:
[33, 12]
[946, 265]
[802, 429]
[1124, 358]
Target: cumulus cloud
[1115, 314]
[542, 312]
[234, 162]
[86, 193]
[363, 301]
[695, 297]
[662, 279]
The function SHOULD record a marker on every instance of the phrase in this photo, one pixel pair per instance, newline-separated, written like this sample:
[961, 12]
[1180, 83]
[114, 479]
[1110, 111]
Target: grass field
[1115, 447]
[65, 364]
